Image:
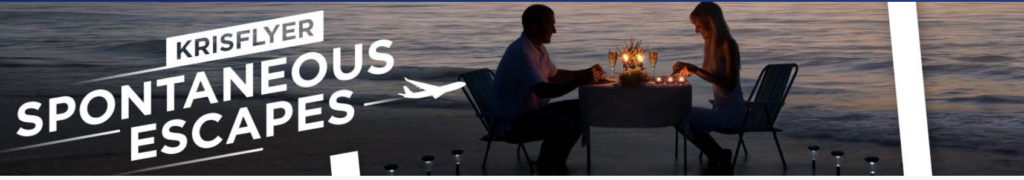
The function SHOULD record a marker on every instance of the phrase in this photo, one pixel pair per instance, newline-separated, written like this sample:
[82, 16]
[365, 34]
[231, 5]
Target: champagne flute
[654, 62]
[613, 57]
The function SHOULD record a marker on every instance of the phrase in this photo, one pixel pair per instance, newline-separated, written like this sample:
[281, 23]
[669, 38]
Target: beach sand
[386, 135]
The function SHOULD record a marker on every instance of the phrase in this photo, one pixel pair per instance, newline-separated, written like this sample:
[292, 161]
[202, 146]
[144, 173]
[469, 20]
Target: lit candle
[640, 60]
[657, 80]
[671, 80]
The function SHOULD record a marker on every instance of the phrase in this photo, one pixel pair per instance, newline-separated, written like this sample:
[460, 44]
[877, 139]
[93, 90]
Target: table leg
[675, 151]
[589, 143]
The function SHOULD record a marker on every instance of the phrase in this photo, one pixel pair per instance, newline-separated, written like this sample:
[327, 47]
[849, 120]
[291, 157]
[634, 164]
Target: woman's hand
[684, 69]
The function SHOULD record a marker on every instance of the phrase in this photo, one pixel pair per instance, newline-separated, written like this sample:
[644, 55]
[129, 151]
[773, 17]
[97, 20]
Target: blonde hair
[711, 18]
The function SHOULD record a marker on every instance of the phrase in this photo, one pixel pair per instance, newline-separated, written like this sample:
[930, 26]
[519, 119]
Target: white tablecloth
[650, 106]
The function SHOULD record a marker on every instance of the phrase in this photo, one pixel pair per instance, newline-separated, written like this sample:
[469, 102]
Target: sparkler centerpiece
[632, 53]
[633, 73]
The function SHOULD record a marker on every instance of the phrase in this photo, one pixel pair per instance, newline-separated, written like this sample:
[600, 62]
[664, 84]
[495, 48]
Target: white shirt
[522, 67]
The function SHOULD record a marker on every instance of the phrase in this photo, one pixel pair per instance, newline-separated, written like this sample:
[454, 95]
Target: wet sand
[957, 161]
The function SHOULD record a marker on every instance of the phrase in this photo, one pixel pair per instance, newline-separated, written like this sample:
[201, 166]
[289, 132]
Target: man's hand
[597, 71]
[591, 75]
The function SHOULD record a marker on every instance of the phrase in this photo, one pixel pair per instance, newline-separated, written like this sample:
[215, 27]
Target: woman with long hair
[721, 67]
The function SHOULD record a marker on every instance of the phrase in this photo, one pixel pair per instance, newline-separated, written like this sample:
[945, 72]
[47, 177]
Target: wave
[819, 61]
[951, 68]
[749, 30]
[992, 71]
[777, 20]
[987, 58]
[23, 62]
[810, 122]
[865, 21]
[864, 47]
[57, 15]
[988, 132]
[154, 47]
[875, 66]
[989, 99]
[393, 6]
[820, 91]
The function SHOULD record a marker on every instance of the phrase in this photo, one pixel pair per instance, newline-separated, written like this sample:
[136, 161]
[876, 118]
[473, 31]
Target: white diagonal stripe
[381, 101]
[61, 141]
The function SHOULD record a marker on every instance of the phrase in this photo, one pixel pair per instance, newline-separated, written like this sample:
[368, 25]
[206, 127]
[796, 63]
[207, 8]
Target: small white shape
[345, 164]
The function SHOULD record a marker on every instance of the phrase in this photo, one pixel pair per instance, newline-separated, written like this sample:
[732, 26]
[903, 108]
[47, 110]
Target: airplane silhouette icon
[429, 90]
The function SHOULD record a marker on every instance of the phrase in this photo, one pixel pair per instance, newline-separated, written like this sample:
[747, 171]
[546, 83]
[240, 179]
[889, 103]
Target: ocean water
[972, 55]
[844, 90]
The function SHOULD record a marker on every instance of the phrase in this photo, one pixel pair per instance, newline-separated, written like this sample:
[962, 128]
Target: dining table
[651, 105]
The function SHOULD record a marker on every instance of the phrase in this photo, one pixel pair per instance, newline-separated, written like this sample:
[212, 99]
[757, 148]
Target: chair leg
[744, 144]
[486, 153]
[737, 153]
[700, 157]
[777, 146]
[529, 162]
[519, 150]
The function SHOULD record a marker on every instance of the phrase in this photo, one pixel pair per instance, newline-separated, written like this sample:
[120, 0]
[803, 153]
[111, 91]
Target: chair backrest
[478, 90]
[772, 86]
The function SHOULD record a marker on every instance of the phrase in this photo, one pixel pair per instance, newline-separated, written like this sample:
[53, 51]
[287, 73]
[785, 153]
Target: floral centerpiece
[634, 77]
[633, 63]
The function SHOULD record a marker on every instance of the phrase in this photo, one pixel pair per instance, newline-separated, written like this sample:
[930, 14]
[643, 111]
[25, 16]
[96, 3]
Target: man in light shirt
[526, 75]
